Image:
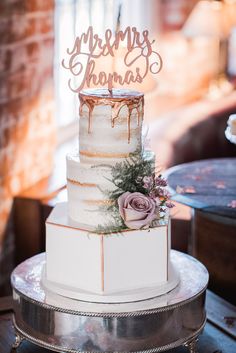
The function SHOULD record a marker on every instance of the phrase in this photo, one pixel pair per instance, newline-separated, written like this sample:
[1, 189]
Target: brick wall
[27, 131]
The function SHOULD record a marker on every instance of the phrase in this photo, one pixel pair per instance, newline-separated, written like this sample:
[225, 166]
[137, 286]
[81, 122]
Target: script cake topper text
[139, 58]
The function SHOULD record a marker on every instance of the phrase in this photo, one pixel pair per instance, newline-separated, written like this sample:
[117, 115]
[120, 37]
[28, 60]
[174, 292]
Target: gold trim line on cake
[81, 184]
[104, 155]
[93, 231]
[98, 202]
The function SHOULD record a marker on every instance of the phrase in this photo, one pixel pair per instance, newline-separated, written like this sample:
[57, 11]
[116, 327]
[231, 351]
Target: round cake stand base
[190, 343]
[67, 325]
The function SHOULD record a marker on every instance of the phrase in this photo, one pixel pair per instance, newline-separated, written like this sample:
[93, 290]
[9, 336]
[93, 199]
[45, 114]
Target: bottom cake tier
[128, 266]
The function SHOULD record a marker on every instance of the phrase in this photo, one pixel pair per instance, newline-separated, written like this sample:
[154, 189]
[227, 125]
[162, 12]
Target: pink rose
[137, 210]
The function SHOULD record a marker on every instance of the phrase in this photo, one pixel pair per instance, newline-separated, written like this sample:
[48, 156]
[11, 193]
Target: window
[72, 17]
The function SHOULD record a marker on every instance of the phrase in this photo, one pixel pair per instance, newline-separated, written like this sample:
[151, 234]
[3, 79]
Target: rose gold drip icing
[140, 111]
[116, 99]
[138, 116]
[116, 108]
[90, 104]
[130, 109]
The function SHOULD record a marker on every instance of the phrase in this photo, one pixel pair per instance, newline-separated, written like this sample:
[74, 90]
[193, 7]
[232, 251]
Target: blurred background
[187, 104]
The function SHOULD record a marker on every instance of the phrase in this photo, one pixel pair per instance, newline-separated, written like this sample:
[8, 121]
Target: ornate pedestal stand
[66, 325]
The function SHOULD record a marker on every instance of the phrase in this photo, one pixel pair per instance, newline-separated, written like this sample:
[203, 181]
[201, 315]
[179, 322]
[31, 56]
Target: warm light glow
[71, 18]
[206, 19]
[188, 66]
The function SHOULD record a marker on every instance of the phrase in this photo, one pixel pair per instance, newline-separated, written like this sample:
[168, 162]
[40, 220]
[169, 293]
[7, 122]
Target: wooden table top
[208, 185]
[218, 336]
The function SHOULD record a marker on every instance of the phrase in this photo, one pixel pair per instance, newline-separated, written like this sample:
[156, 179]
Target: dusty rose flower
[137, 210]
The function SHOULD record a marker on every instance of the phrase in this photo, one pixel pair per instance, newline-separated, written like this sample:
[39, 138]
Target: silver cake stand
[66, 325]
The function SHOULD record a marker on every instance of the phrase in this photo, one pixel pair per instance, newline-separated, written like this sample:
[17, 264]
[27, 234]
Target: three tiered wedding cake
[111, 241]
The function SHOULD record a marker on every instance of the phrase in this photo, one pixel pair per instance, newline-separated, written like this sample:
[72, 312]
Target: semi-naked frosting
[88, 186]
[110, 130]
[110, 124]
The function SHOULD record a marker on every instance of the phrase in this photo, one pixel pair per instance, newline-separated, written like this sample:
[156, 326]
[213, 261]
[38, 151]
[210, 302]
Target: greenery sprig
[126, 176]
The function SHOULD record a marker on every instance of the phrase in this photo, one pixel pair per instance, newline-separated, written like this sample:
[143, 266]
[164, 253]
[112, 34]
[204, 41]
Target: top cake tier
[110, 124]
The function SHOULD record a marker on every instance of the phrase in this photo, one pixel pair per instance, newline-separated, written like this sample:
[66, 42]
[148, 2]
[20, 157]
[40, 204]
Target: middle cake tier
[88, 189]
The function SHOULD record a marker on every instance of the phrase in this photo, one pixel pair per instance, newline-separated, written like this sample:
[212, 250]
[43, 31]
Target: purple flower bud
[162, 192]
[159, 191]
[159, 181]
[169, 204]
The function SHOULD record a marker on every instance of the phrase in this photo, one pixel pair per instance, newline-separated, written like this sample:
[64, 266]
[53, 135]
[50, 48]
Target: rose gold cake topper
[138, 57]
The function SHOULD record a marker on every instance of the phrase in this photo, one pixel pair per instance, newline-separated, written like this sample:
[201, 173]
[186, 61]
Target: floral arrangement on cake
[140, 198]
